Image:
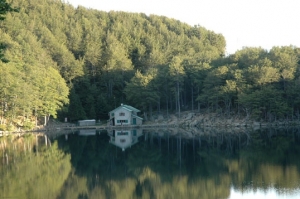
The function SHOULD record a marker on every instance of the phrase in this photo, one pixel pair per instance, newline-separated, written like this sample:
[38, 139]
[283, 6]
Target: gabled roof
[125, 145]
[127, 107]
[131, 108]
[133, 139]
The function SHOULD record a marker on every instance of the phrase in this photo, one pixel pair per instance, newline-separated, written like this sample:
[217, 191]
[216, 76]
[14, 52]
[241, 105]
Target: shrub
[2, 127]
[28, 125]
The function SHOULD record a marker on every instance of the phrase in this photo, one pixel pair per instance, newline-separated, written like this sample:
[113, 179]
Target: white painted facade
[124, 115]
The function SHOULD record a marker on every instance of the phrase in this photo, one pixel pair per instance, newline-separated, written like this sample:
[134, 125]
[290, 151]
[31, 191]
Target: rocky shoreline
[190, 119]
[187, 120]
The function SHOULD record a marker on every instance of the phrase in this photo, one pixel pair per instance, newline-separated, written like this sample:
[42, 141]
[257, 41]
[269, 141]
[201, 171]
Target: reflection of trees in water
[188, 164]
[223, 158]
[33, 170]
[180, 164]
[270, 160]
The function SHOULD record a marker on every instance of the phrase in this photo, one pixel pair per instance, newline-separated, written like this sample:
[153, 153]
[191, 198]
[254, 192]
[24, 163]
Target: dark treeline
[82, 63]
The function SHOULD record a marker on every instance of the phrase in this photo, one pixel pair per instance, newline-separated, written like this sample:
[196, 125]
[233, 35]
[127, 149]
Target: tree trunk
[198, 101]
[167, 107]
[145, 116]
[192, 99]
[178, 98]
[150, 111]
[158, 106]
[46, 119]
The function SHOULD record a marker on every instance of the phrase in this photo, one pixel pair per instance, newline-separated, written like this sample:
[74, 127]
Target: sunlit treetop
[4, 8]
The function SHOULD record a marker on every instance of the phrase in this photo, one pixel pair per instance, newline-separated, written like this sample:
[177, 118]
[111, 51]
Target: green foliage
[75, 108]
[148, 94]
[216, 161]
[2, 127]
[159, 166]
[4, 9]
[49, 168]
[96, 52]
[10, 127]
[28, 125]
[108, 58]
[2, 58]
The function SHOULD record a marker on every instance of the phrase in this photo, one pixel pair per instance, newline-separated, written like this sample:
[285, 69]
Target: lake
[152, 163]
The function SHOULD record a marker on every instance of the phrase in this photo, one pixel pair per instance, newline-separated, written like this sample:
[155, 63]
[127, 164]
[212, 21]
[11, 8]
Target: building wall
[139, 121]
[86, 122]
[123, 139]
[122, 117]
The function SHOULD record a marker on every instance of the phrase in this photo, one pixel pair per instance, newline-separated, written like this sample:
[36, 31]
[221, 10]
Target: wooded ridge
[81, 63]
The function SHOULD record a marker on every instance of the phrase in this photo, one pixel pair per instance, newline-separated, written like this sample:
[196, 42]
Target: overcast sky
[252, 23]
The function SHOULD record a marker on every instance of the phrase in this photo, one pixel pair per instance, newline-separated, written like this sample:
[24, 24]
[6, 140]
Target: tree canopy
[95, 60]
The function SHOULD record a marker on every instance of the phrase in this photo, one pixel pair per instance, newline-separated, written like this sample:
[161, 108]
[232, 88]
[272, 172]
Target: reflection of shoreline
[186, 132]
[87, 132]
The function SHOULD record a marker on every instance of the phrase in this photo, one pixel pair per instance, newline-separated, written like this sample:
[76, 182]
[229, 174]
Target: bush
[10, 127]
[2, 127]
[28, 125]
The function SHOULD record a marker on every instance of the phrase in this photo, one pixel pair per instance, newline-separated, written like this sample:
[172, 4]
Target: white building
[124, 115]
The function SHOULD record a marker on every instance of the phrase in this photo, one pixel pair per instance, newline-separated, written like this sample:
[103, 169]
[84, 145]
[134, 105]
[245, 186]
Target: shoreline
[187, 120]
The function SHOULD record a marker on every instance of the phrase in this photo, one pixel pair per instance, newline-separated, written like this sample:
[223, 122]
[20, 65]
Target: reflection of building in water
[124, 138]
[87, 132]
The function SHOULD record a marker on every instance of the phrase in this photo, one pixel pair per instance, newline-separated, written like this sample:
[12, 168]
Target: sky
[243, 23]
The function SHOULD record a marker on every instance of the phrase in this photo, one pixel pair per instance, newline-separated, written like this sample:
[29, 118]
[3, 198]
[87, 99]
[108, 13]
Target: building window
[122, 133]
[121, 114]
[122, 121]
[112, 114]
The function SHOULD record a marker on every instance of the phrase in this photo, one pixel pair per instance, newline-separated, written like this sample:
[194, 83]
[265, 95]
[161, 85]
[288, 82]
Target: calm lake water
[154, 164]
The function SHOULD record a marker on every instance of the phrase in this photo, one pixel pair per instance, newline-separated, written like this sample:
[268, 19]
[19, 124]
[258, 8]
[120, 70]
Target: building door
[133, 121]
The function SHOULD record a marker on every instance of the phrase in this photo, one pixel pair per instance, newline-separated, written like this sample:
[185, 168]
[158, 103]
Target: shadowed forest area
[79, 63]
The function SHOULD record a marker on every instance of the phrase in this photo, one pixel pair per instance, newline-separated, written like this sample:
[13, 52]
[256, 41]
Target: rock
[190, 116]
[160, 117]
[256, 124]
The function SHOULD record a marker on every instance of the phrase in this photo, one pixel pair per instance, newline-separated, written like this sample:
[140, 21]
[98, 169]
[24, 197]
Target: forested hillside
[81, 63]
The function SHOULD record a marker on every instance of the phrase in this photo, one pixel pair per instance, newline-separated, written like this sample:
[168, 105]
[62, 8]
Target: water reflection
[87, 132]
[157, 163]
[124, 138]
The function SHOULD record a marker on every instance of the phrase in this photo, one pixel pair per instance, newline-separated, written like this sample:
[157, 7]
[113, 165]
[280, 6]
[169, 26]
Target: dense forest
[79, 63]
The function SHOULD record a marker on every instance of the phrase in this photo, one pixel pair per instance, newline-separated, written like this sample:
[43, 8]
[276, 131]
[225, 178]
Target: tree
[4, 9]
[115, 64]
[75, 109]
[147, 93]
[176, 71]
